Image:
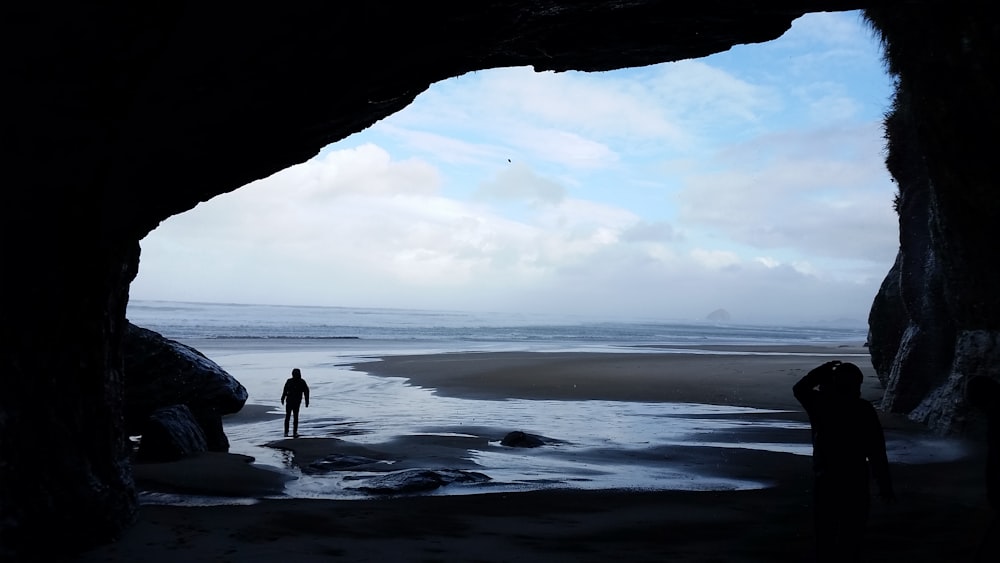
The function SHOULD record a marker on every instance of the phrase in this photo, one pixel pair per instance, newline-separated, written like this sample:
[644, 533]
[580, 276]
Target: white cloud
[572, 118]
[768, 262]
[827, 103]
[447, 149]
[666, 191]
[397, 230]
[805, 268]
[656, 231]
[366, 169]
[696, 93]
[563, 148]
[829, 29]
[715, 259]
[788, 192]
[519, 182]
[594, 104]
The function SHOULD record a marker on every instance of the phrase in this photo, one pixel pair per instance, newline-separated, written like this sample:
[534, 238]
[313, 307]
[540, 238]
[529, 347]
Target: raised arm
[805, 387]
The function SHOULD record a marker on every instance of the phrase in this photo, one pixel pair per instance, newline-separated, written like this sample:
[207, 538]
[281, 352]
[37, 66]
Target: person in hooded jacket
[291, 396]
[848, 451]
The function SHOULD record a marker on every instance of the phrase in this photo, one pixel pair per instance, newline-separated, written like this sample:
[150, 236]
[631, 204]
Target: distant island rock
[719, 315]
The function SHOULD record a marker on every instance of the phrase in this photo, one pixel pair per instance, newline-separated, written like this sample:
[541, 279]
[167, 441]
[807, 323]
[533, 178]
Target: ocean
[601, 444]
[455, 330]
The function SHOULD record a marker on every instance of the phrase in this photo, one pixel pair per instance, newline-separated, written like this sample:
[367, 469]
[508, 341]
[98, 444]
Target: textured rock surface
[160, 372]
[419, 481]
[519, 439]
[887, 322]
[121, 114]
[169, 434]
[935, 321]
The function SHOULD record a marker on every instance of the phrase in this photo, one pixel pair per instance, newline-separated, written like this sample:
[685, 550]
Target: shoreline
[941, 515]
[934, 521]
[750, 376]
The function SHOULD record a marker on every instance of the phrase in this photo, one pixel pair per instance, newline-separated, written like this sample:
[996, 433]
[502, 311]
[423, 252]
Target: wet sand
[941, 513]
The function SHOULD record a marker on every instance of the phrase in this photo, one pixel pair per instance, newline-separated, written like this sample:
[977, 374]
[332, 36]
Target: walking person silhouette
[848, 449]
[294, 391]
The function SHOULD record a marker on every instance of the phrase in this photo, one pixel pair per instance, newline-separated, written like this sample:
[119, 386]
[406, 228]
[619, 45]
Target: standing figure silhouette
[848, 449]
[291, 396]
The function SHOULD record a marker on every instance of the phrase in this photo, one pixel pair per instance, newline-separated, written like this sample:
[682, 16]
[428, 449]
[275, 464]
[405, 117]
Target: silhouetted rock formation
[936, 319]
[122, 114]
[169, 434]
[518, 439]
[419, 481]
[719, 316]
[887, 322]
[160, 372]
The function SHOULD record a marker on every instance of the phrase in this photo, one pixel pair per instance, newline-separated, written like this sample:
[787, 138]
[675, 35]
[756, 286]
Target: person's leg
[288, 414]
[295, 421]
[855, 521]
[842, 503]
[824, 509]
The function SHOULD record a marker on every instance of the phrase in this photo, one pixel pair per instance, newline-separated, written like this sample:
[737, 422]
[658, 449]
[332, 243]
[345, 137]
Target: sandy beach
[941, 513]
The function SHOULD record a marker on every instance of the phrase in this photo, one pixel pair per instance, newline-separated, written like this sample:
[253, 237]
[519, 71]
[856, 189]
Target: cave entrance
[750, 181]
[505, 208]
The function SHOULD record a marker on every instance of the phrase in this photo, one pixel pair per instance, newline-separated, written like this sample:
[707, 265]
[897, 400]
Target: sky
[752, 181]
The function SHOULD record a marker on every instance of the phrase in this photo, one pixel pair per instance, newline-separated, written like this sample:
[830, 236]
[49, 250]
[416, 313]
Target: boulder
[161, 372]
[518, 439]
[211, 424]
[169, 434]
[419, 481]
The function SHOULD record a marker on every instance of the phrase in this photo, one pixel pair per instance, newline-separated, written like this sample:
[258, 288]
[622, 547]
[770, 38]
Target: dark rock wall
[911, 331]
[121, 114]
[887, 323]
[945, 60]
[63, 452]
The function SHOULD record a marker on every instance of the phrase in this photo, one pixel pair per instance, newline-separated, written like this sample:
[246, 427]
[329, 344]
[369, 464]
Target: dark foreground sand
[941, 513]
